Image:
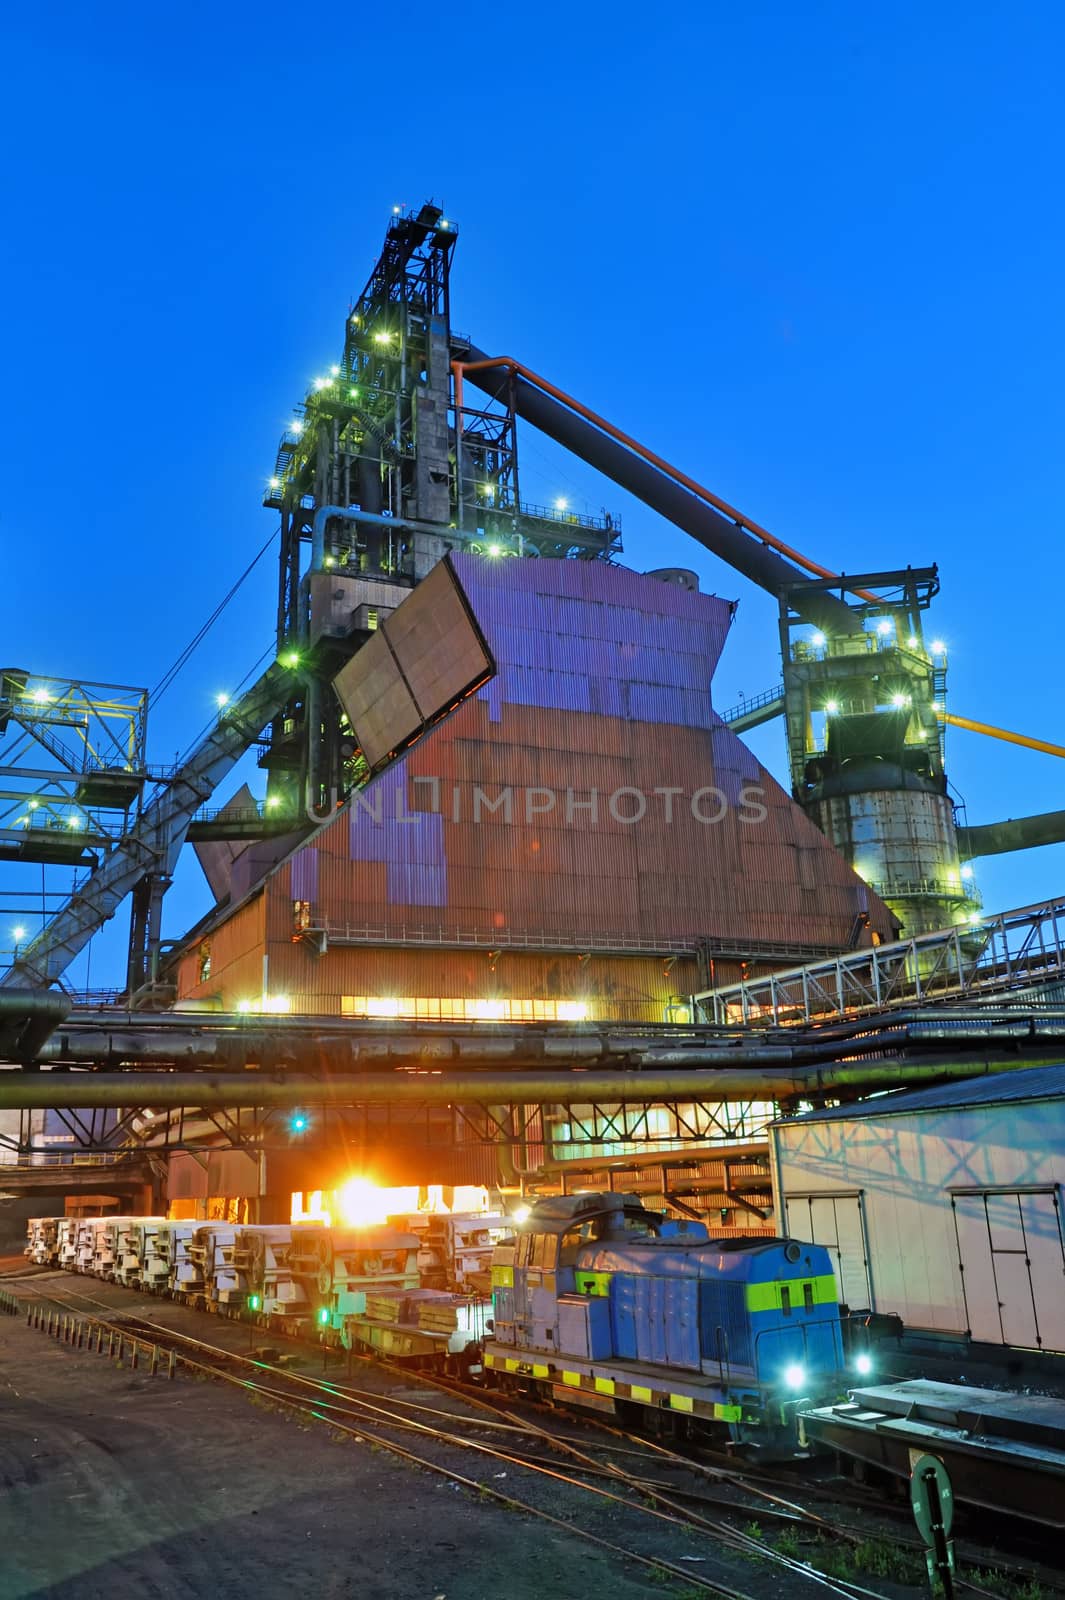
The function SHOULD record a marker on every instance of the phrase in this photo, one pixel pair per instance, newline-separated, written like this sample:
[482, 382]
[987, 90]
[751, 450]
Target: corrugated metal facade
[947, 1213]
[587, 792]
[228, 960]
[636, 988]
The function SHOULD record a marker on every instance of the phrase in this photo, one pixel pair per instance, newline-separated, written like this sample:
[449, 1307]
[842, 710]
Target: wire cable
[197, 639]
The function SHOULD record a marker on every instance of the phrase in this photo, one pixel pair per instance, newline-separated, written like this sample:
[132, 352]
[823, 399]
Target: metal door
[837, 1222]
[1041, 1216]
[977, 1269]
[1013, 1278]
[1012, 1257]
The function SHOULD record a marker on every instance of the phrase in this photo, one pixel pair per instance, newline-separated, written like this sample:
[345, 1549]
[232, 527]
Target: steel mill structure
[502, 811]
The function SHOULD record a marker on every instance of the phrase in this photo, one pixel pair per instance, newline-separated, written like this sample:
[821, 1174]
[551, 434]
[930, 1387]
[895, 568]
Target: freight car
[42, 1241]
[600, 1303]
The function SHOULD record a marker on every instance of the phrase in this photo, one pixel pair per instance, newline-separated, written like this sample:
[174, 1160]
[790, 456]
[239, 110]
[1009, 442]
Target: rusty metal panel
[423, 658]
[216, 856]
[228, 959]
[485, 826]
[436, 643]
[378, 702]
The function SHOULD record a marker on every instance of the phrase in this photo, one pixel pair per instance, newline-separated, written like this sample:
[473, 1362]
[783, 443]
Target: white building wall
[901, 1173]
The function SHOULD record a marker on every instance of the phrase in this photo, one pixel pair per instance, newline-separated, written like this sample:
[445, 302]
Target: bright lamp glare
[863, 1365]
[20, 933]
[362, 1204]
[818, 641]
[938, 647]
[521, 1213]
[794, 1376]
[831, 707]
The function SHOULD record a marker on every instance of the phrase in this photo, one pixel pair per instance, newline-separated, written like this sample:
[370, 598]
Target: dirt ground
[115, 1485]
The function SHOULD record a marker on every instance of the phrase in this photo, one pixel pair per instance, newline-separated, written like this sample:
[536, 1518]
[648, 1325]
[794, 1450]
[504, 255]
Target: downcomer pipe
[28, 1017]
[725, 539]
[39, 1091]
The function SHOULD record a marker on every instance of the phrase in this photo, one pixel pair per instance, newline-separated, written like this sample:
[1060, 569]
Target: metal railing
[494, 939]
[1014, 951]
[925, 888]
[744, 708]
[48, 1160]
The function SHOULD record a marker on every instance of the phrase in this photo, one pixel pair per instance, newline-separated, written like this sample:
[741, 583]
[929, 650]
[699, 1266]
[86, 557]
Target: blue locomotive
[602, 1303]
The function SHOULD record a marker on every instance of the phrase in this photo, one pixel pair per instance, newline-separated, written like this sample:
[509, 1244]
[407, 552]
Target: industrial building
[579, 837]
[941, 1205]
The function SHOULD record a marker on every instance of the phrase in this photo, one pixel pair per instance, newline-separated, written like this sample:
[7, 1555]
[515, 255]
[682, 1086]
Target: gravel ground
[117, 1485]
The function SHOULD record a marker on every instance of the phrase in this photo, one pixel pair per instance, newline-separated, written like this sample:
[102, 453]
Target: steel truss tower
[380, 479]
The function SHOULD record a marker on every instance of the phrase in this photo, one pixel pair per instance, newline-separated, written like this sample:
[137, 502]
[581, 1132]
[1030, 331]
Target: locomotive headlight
[863, 1365]
[795, 1376]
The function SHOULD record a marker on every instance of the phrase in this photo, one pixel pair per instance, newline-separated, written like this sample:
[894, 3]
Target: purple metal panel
[305, 874]
[568, 640]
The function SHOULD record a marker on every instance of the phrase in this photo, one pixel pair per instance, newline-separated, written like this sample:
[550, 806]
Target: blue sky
[813, 255]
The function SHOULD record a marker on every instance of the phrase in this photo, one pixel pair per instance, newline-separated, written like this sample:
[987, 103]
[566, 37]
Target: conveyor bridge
[1016, 952]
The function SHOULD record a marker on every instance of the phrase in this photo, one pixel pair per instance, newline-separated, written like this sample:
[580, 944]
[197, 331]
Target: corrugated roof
[990, 1089]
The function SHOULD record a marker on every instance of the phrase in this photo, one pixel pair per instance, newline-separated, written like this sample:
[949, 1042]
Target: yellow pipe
[1001, 733]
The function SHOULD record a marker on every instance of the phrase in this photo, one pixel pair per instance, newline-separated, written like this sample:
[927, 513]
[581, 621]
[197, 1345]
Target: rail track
[622, 1472]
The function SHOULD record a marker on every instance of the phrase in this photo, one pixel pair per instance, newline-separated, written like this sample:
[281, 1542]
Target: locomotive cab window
[524, 1250]
[785, 1299]
[808, 1296]
[571, 1244]
[545, 1251]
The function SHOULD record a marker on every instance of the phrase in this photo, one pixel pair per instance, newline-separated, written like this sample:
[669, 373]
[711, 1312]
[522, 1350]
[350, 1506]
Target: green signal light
[254, 1302]
[323, 1317]
[291, 658]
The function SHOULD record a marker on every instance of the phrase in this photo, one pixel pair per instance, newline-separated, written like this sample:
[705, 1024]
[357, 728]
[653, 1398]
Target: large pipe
[175, 1042]
[87, 1090]
[1015, 833]
[27, 1019]
[658, 485]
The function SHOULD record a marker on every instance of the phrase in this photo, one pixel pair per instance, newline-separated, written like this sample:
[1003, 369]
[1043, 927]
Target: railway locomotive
[596, 1302]
[600, 1303]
